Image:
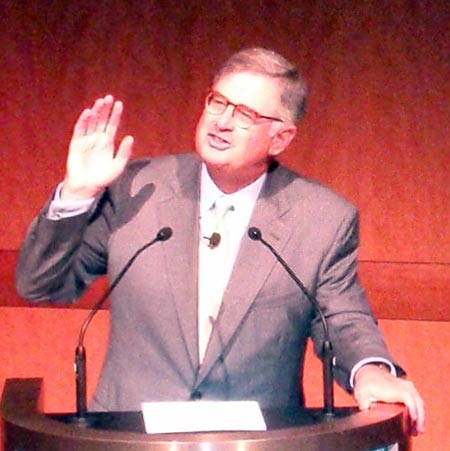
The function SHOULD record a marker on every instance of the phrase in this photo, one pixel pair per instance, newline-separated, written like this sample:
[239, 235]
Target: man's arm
[355, 334]
[56, 262]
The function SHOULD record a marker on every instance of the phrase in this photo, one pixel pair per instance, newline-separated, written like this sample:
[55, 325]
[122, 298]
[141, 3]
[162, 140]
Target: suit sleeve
[60, 258]
[353, 328]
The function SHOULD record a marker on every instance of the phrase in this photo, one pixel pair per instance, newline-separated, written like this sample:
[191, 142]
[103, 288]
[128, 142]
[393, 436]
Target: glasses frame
[255, 116]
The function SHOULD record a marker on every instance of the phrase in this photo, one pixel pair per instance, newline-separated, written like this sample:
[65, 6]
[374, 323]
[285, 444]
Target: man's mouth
[218, 142]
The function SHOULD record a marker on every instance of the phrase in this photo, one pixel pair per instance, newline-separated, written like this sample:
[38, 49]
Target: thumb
[121, 158]
[364, 400]
[364, 404]
[123, 153]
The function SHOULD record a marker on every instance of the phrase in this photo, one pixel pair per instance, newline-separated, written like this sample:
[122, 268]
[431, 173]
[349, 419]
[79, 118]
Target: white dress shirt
[216, 262]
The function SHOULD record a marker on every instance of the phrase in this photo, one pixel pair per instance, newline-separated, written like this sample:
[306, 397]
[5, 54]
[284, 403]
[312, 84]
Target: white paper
[195, 416]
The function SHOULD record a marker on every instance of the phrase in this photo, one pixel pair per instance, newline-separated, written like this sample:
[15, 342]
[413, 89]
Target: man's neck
[229, 182]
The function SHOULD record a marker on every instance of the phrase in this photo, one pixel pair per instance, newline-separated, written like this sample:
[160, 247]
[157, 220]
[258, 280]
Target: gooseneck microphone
[327, 350]
[80, 354]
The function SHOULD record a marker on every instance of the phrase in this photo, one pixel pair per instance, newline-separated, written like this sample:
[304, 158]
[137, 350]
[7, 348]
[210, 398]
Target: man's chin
[214, 157]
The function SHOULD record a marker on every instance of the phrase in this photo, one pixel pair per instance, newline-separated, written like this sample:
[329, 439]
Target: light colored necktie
[216, 271]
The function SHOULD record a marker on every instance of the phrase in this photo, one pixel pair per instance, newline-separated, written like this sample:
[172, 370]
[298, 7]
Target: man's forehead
[250, 89]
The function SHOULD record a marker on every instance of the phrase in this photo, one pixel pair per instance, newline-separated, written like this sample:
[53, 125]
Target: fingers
[420, 421]
[103, 117]
[102, 110]
[416, 408]
[123, 154]
[374, 386]
[111, 123]
[81, 125]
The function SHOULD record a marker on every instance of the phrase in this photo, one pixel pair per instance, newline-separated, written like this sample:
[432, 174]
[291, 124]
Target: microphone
[80, 354]
[327, 350]
[214, 240]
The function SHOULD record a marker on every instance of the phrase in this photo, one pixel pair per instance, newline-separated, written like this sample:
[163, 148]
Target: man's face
[230, 150]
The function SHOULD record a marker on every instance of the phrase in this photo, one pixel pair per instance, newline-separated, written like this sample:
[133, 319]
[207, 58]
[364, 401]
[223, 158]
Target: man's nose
[225, 120]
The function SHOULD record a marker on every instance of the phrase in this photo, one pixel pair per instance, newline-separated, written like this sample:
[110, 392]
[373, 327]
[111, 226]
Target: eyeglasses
[243, 116]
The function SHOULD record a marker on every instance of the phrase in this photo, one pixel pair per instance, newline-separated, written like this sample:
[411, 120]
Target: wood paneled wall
[376, 130]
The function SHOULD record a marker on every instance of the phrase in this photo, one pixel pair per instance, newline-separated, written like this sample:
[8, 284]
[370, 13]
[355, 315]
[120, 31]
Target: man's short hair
[294, 90]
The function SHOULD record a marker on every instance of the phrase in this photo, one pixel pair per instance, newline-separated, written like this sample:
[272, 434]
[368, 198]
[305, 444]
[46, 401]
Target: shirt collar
[210, 192]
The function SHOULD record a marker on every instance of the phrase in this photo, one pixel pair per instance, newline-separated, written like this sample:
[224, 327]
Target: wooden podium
[26, 428]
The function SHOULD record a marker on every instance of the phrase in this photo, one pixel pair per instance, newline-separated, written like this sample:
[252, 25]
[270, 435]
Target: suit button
[195, 395]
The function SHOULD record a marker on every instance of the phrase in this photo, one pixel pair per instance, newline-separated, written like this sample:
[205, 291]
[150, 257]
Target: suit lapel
[180, 210]
[250, 271]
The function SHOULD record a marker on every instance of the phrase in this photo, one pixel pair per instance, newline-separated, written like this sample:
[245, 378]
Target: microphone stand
[80, 353]
[327, 349]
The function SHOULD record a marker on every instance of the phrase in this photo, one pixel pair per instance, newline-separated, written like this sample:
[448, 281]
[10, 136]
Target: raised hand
[93, 162]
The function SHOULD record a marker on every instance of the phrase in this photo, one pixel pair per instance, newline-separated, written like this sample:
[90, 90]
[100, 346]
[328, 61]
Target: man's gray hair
[294, 90]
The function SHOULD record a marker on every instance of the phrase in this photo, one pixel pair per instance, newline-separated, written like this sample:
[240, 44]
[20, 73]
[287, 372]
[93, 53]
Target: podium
[26, 428]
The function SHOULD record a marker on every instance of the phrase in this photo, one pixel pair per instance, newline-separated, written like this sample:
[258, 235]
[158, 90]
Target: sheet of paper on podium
[195, 416]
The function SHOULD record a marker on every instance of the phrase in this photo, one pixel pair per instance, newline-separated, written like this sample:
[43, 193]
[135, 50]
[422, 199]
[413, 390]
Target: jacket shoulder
[308, 191]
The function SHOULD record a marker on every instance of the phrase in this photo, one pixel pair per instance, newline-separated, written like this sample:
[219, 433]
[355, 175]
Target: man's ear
[282, 138]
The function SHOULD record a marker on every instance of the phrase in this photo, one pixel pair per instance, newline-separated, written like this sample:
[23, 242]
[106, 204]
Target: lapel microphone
[221, 211]
[214, 240]
[80, 354]
[327, 350]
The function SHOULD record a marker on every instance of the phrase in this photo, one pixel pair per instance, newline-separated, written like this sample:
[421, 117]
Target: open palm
[93, 162]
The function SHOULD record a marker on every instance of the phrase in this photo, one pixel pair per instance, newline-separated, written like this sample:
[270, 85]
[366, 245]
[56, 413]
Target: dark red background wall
[376, 130]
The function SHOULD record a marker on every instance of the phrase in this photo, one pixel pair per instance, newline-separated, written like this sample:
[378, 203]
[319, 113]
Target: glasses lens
[216, 104]
[244, 117]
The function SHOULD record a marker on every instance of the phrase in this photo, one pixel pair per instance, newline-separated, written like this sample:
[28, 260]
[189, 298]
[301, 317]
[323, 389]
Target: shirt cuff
[366, 361]
[60, 209]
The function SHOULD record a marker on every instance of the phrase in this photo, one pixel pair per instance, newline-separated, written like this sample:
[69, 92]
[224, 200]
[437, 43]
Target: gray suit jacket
[258, 342]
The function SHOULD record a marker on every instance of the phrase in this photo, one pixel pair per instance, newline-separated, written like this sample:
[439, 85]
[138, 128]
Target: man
[210, 313]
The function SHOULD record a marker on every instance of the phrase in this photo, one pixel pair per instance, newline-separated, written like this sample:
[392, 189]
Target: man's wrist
[376, 361]
[68, 193]
[60, 209]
